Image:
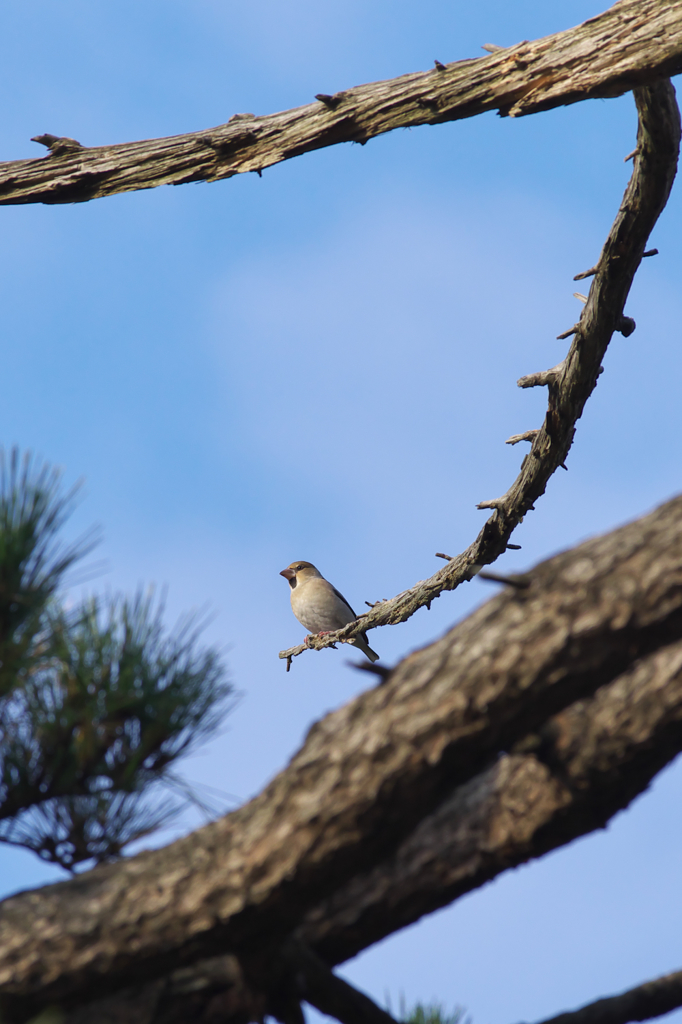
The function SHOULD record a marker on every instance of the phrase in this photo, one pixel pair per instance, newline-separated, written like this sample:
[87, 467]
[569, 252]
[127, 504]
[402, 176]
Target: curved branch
[633, 43]
[570, 383]
[366, 777]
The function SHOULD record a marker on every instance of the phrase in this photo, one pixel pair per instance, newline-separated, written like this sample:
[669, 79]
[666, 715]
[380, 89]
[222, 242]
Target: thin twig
[492, 503]
[368, 666]
[586, 273]
[528, 435]
[518, 582]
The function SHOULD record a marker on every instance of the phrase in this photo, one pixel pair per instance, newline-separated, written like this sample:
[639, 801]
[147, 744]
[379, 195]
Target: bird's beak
[288, 574]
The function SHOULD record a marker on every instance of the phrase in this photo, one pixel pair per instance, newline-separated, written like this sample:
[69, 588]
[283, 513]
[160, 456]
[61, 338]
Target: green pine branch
[97, 704]
[432, 1013]
[427, 1013]
[32, 559]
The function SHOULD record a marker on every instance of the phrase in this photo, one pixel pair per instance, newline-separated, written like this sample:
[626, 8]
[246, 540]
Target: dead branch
[652, 999]
[527, 435]
[368, 776]
[519, 581]
[634, 43]
[570, 383]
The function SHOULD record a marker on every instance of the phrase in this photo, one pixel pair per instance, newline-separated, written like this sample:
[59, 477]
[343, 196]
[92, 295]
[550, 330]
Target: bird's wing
[340, 595]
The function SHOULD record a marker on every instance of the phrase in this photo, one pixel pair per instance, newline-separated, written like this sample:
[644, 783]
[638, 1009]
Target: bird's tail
[361, 643]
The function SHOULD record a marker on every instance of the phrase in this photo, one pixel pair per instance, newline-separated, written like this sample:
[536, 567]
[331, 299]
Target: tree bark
[395, 760]
[634, 43]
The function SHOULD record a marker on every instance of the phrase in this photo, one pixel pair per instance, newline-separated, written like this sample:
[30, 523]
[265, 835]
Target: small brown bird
[319, 606]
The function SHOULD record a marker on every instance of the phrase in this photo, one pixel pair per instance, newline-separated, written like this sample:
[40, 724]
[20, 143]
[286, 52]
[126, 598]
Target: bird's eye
[297, 568]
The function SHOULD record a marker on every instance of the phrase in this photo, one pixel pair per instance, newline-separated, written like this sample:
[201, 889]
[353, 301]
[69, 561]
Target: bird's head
[298, 572]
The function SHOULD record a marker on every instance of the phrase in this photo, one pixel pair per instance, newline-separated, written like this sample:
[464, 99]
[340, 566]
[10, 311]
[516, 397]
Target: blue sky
[321, 364]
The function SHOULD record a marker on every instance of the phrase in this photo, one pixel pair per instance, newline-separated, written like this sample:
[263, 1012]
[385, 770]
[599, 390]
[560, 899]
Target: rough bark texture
[632, 44]
[570, 383]
[568, 778]
[370, 774]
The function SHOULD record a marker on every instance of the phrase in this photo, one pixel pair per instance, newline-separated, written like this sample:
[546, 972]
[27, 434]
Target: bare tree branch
[366, 777]
[632, 44]
[652, 999]
[570, 383]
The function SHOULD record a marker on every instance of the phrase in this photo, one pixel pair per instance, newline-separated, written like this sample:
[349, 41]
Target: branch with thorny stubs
[634, 43]
[572, 381]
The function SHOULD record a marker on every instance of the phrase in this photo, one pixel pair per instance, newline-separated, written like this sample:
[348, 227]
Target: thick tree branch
[565, 780]
[578, 770]
[570, 383]
[632, 44]
[366, 777]
[652, 999]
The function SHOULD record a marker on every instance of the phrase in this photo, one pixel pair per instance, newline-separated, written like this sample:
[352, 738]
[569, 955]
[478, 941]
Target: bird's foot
[324, 632]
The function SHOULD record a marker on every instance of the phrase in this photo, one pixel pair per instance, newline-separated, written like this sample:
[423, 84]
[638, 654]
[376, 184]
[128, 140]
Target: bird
[319, 606]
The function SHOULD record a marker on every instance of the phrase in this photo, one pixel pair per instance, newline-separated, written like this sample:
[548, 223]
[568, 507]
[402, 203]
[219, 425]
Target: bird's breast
[318, 608]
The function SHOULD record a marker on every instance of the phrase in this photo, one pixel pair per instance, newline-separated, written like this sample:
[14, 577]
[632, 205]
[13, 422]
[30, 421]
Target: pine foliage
[32, 560]
[96, 704]
[432, 1013]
